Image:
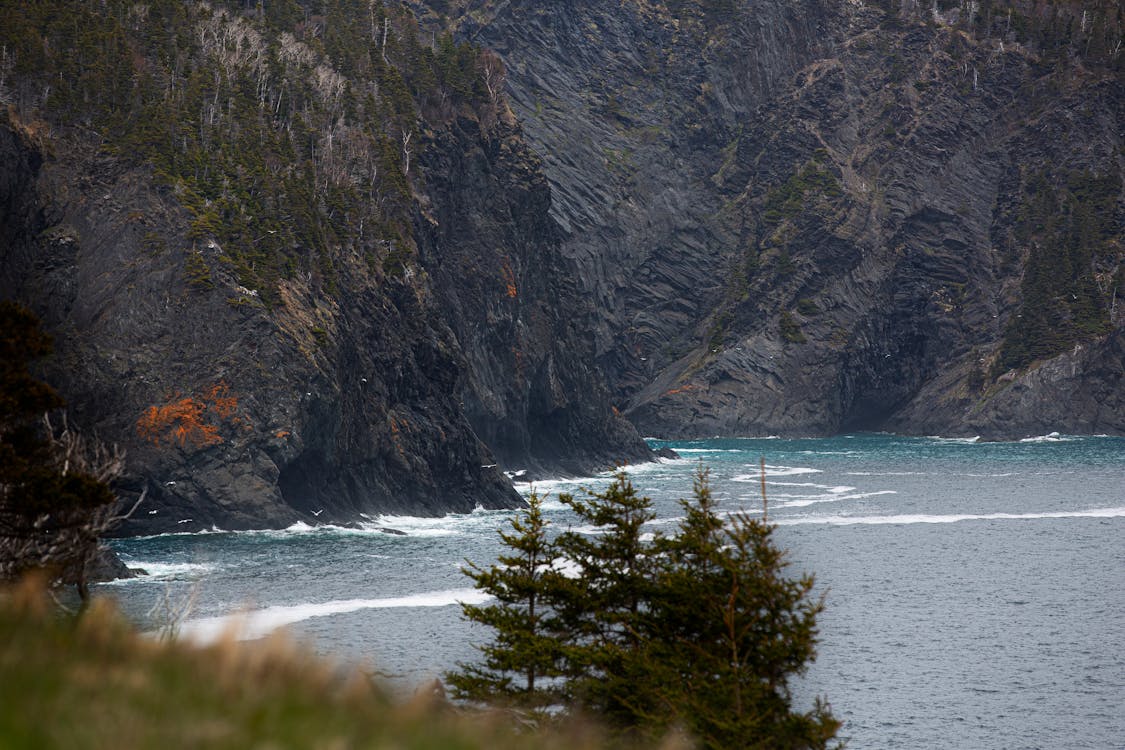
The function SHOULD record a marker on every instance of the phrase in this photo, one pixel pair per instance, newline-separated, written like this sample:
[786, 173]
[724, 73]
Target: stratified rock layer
[802, 218]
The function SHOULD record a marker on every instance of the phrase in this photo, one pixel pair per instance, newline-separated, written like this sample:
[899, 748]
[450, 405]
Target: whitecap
[424, 526]
[1051, 437]
[659, 463]
[887, 473]
[201, 532]
[261, 622]
[801, 502]
[544, 487]
[829, 488]
[775, 471]
[165, 571]
[953, 518]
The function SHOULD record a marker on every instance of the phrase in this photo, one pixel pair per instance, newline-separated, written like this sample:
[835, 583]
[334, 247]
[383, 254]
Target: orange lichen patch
[220, 400]
[282, 434]
[180, 422]
[681, 389]
[191, 421]
[616, 411]
[509, 279]
[397, 428]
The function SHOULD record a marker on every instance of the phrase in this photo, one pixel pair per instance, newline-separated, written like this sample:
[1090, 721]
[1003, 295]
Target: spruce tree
[701, 629]
[604, 607]
[729, 631]
[521, 664]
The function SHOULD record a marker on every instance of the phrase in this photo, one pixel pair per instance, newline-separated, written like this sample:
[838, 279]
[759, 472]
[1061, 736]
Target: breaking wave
[952, 518]
[261, 622]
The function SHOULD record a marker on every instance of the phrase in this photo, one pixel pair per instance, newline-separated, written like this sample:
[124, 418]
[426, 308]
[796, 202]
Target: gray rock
[674, 144]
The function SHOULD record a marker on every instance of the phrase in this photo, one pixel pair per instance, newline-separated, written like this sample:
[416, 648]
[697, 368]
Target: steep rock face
[233, 415]
[390, 291]
[814, 217]
[633, 107]
[1081, 387]
[533, 392]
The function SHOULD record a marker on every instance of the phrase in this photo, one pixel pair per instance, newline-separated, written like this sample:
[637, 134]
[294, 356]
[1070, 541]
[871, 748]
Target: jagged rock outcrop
[312, 267]
[802, 218]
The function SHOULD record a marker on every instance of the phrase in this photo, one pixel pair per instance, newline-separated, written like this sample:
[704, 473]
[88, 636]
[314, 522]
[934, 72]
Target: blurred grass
[94, 682]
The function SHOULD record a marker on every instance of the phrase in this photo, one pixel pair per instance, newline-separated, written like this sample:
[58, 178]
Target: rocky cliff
[491, 249]
[394, 352]
[802, 218]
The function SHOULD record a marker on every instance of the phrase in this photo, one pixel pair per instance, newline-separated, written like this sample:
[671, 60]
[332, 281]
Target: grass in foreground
[93, 682]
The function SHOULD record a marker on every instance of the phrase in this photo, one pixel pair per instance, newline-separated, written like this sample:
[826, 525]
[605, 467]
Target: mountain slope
[809, 217]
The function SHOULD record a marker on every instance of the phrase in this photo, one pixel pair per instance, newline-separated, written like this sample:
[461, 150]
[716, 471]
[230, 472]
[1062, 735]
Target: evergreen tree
[604, 607]
[702, 629]
[728, 631]
[521, 665]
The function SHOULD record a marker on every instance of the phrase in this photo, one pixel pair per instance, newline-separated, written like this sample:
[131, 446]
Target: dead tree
[62, 537]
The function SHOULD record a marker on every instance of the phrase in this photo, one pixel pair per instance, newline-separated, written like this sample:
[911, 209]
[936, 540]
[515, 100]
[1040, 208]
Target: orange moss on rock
[509, 279]
[220, 400]
[191, 421]
[178, 422]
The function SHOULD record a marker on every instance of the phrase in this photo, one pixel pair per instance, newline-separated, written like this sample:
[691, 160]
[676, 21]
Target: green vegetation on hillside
[788, 199]
[1067, 284]
[287, 130]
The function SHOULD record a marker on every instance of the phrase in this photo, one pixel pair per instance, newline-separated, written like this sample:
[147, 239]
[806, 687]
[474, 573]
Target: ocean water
[975, 591]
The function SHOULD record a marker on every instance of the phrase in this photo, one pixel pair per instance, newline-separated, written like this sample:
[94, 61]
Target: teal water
[975, 591]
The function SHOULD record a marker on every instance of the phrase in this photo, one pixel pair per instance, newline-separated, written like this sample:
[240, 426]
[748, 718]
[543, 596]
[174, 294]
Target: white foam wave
[775, 471]
[421, 526]
[799, 501]
[828, 488]
[887, 473]
[588, 530]
[165, 571]
[551, 504]
[953, 518]
[1051, 437]
[989, 476]
[597, 482]
[201, 532]
[708, 450]
[648, 466]
[379, 526]
[261, 622]
[967, 440]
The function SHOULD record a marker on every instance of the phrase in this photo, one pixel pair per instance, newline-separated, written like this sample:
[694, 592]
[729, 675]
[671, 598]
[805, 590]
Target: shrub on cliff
[700, 630]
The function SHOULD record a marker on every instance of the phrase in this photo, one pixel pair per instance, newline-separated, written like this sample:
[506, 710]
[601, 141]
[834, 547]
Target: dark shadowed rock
[107, 566]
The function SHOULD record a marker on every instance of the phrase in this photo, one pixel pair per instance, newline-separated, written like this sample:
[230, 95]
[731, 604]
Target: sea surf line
[253, 624]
